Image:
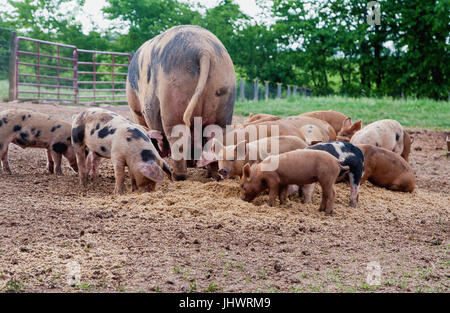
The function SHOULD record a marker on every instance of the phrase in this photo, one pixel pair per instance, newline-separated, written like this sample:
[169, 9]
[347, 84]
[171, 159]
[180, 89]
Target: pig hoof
[179, 177]
[218, 178]
[353, 204]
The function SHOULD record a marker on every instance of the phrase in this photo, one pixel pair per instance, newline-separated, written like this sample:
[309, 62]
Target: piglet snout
[225, 173]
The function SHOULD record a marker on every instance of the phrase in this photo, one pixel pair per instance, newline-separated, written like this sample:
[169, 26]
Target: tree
[147, 19]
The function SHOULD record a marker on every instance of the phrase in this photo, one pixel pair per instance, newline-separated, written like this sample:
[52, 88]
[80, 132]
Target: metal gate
[42, 71]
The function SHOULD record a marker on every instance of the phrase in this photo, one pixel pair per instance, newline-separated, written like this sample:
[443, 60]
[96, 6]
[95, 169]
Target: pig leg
[57, 158]
[119, 173]
[95, 165]
[4, 155]
[328, 195]
[50, 163]
[354, 190]
[179, 155]
[134, 186]
[274, 192]
[83, 172]
[307, 191]
[283, 193]
[292, 189]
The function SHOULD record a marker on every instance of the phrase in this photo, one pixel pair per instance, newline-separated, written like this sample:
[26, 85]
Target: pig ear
[246, 170]
[155, 134]
[347, 122]
[216, 146]
[357, 126]
[241, 147]
[152, 171]
[207, 158]
[250, 115]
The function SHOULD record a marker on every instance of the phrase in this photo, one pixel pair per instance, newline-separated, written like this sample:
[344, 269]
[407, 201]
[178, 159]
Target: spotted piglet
[108, 135]
[350, 156]
[29, 129]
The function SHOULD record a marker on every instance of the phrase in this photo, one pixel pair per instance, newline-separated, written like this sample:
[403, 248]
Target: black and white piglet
[352, 157]
[108, 135]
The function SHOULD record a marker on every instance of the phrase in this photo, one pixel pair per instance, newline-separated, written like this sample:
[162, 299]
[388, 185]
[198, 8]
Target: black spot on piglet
[59, 147]
[136, 134]
[397, 137]
[55, 128]
[78, 134]
[105, 131]
[148, 155]
[17, 128]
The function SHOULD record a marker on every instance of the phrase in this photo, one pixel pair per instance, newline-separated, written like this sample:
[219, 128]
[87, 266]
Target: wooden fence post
[278, 90]
[12, 67]
[242, 96]
[295, 91]
[256, 89]
[288, 91]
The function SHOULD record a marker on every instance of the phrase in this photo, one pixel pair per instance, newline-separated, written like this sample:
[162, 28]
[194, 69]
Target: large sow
[183, 73]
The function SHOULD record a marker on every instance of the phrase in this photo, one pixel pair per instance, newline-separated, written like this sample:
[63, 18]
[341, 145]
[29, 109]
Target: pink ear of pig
[152, 171]
[155, 134]
[207, 158]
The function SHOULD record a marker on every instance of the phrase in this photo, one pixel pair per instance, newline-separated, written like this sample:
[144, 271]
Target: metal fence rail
[115, 78]
[44, 71]
[37, 75]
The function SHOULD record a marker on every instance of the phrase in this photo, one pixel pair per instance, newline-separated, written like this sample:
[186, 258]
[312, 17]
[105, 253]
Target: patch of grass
[262, 274]
[84, 286]
[240, 266]
[420, 113]
[14, 286]
[367, 287]
[4, 90]
[192, 286]
[298, 289]
[212, 287]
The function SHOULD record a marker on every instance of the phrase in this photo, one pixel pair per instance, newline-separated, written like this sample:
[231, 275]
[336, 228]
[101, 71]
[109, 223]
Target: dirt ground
[198, 235]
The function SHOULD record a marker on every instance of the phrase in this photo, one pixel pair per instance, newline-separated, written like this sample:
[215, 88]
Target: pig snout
[225, 173]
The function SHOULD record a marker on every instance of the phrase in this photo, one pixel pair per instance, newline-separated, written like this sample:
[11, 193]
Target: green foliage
[418, 113]
[326, 45]
[147, 19]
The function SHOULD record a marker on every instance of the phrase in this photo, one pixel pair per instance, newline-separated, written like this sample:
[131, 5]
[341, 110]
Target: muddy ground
[198, 235]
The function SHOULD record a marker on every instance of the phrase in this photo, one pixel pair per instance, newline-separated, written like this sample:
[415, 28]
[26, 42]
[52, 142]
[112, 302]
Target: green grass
[4, 90]
[418, 113]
